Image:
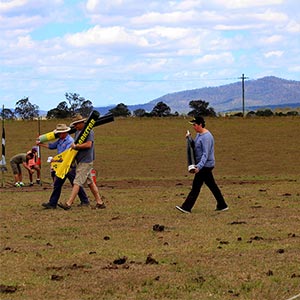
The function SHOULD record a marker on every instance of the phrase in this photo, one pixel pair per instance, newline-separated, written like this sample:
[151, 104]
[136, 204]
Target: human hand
[187, 133]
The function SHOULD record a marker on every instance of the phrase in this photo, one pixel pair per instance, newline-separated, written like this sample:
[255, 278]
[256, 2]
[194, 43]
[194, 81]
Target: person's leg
[81, 193]
[57, 187]
[20, 176]
[38, 174]
[94, 189]
[194, 193]
[74, 193]
[82, 172]
[30, 176]
[52, 174]
[210, 182]
[15, 170]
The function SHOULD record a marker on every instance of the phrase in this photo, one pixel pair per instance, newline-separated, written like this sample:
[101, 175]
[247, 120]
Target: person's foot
[64, 206]
[38, 181]
[182, 210]
[21, 183]
[31, 184]
[47, 205]
[224, 208]
[100, 206]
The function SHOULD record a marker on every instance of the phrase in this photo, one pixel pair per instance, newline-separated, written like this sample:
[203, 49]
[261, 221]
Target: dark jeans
[206, 176]
[57, 187]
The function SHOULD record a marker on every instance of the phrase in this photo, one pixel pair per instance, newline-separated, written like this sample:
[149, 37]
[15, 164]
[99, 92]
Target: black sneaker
[182, 210]
[100, 206]
[222, 208]
[47, 205]
[64, 206]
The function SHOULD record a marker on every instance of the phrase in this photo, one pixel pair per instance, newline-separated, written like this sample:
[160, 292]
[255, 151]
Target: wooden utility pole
[243, 92]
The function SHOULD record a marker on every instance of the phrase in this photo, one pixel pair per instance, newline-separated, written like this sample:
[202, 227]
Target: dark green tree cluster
[161, 109]
[25, 110]
[7, 114]
[269, 113]
[200, 108]
[74, 105]
[121, 110]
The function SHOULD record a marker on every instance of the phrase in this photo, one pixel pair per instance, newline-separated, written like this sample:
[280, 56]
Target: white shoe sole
[182, 210]
[224, 209]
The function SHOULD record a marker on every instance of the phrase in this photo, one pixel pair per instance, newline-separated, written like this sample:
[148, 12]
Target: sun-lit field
[140, 247]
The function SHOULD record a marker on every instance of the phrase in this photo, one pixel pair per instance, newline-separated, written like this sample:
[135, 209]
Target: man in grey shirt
[84, 160]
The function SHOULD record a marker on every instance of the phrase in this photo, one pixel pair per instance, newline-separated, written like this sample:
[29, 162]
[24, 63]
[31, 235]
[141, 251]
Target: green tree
[60, 112]
[140, 112]
[161, 110]
[201, 108]
[25, 110]
[7, 114]
[78, 104]
[75, 104]
[86, 108]
[265, 113]
[121, 110]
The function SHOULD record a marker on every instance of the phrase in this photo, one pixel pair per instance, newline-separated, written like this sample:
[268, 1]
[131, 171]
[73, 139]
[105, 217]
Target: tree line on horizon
[75, 104]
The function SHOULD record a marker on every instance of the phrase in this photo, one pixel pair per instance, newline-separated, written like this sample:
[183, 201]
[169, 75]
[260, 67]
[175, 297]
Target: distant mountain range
[267, 92]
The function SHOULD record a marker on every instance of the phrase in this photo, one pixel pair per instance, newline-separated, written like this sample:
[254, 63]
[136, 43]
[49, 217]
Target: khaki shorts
[15, 168]
[83, 174]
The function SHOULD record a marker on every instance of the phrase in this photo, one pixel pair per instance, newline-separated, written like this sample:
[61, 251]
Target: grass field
[140, 247]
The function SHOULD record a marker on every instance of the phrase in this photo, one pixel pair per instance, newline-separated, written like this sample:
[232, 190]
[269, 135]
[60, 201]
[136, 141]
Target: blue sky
[134, 51]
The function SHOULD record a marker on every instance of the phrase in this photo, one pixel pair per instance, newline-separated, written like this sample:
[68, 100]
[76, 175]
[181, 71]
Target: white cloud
[165, 18]
[294, 69]
[273, 54]
[271, 16]
[235, 4]
[105, 36]
[111, 6]
[25, 42]
[91, 5]
[187, 5]
[224, 58]
[293, 27]
[11, 5]
[272, 39]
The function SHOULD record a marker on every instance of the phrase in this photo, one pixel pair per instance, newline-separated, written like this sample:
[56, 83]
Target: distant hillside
[261, 92]
[266, 92]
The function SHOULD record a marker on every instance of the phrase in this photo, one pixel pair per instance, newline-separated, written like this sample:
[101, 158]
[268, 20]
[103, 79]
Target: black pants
[206, 176]
[58, 184]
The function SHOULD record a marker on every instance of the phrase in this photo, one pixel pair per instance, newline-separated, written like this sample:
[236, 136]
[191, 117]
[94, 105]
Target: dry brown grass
[248, 252]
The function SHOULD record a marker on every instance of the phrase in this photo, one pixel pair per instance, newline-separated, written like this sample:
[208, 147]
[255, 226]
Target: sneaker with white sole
[182, 210]
[222, 208]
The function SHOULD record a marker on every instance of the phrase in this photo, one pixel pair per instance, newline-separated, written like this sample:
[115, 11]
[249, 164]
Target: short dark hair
[30, 155]
[198, 120]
